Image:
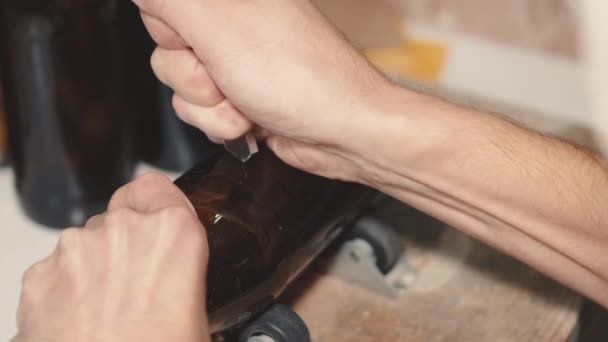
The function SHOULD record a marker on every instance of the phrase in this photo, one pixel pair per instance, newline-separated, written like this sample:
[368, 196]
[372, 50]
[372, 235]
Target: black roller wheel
[383, 238]
[278, 324]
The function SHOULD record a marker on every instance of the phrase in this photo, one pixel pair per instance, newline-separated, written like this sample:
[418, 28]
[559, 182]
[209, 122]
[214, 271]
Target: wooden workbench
[463, 291]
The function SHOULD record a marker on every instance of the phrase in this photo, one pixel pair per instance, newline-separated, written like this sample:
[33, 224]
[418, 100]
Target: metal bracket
[355, 262]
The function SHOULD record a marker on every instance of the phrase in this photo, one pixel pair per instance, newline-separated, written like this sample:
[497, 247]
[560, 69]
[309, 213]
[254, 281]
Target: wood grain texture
[464, 291]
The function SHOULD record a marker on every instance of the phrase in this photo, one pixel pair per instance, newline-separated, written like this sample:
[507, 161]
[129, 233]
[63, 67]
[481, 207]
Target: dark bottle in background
[181, 145]
[265, 223]
[162, 139]
[65, 108]
[3, 134]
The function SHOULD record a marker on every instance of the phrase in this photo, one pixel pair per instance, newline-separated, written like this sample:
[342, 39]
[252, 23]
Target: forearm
[534, 197]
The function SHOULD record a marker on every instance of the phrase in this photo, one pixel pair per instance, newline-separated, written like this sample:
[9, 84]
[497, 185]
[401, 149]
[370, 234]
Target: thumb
[148, 194]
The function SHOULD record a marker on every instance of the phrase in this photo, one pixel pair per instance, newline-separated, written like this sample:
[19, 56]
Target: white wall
[545, 84]
[595, 46]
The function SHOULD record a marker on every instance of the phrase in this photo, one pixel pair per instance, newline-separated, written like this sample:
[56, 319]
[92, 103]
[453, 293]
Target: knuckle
[33, 278]
[117, 197]
[93, 220]
[128, 194]
[119, 218]
[201, 87]
[147, 184]
[157, 64]
[155, 60]
[197, 80]
[150, 180]
[32, 274]
[185, 113]
[180, 108]
[69, 240]
[231, 122]
[210, 95]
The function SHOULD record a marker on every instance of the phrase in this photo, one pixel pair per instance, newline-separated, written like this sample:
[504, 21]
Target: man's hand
[136, 273]
[280, 66]
[275, 65]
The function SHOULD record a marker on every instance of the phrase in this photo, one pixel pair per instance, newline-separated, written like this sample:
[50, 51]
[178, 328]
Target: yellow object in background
[417, 60]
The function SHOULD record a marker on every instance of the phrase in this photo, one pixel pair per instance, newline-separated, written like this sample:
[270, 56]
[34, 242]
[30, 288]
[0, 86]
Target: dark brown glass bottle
[265, 222]
[3, 137]
[64, 105]
[162, 140]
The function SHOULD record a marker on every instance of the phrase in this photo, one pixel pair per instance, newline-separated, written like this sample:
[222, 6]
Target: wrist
[410, 137]
[389, 131]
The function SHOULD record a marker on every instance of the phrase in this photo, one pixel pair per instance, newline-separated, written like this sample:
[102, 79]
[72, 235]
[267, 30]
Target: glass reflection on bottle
[265, 223]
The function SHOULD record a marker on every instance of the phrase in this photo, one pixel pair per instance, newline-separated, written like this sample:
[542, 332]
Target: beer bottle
[265, 223]
[162, 140]
[3, 137]
[65, 109]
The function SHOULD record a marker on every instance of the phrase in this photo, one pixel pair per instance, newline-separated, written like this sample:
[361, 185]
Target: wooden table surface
[463, 291]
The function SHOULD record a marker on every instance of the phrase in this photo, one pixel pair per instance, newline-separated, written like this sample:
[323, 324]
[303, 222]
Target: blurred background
[81, 113]
[541, 62]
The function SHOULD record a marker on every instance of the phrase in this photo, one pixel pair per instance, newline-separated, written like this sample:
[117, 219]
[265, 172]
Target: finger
[163, 35]
[148, 194]
[34, 282]
[183, 72]
[260, 134]
[215, 140]
[185, 14]
[223, 121]
[180, 240]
